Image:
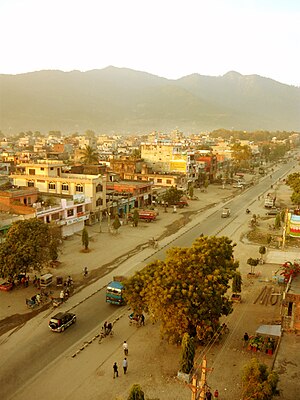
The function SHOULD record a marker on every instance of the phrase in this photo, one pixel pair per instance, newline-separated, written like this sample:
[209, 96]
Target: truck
[147, 215]
[270, 200]
[115, 292]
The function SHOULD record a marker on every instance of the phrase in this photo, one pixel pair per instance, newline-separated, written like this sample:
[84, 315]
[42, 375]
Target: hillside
[120, 100]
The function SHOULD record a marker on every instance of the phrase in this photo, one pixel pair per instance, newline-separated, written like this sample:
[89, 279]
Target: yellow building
[48, 177]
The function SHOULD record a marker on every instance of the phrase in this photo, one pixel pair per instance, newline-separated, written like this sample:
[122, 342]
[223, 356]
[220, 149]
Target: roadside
[152, 362]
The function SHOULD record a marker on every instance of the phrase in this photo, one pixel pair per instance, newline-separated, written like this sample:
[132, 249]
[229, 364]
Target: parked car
[225, 213]
[273, 211]
[61, 321]
[6, 286]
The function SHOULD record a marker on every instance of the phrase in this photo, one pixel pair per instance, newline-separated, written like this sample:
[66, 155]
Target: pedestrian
[142, 321]
[125, 365]
[62, 295]
[125, 348]
[115, 368]
[85, 271]
[208, 395]
[216, 394]
[246, 339]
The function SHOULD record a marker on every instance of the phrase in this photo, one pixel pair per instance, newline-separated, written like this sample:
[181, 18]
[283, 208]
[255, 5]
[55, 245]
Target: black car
[61, 321]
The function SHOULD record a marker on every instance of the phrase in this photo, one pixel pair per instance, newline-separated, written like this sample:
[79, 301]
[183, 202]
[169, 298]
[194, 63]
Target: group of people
[208, 394]
[124, 362]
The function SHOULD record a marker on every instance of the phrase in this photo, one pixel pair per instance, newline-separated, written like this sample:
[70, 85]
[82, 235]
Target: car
[59, 322]
[225, 213]
[6, 286]
[273, 211]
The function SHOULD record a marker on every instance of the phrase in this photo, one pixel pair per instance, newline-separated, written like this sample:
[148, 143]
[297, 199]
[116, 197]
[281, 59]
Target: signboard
[293, 225]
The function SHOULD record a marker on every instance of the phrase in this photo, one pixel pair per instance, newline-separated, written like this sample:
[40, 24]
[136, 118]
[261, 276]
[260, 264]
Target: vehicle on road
[225, 213]
[61, 321]
[114, 293]
[6, 286]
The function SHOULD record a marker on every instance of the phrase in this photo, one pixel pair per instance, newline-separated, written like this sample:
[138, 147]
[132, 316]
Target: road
[34, 347]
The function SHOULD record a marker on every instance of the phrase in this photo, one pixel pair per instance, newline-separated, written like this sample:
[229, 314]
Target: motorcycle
[248, 211]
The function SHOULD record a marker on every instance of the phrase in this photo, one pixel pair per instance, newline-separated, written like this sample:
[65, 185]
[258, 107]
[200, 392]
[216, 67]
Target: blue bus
[114, 293]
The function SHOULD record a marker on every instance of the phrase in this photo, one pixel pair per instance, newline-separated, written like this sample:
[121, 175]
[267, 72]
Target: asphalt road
[38, 347]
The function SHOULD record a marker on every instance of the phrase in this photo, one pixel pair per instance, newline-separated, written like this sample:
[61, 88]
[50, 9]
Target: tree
[55, 241]
[237, 283]
[258, 382]
[135, 217]
[136, 393]
[89, 156]
[262, 251]
[191, 191]
[27, 245]
[116, 224]
[85, 238]
[172, 195]
[253, 262]
[186, 292]
[187, 354]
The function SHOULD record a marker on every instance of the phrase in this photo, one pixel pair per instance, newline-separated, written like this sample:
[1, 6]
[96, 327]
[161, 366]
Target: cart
[59, 281]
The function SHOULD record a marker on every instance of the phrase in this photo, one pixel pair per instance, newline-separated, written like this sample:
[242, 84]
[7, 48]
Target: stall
[266, 339]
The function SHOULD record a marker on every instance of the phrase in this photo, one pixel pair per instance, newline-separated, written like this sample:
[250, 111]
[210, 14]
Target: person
[208, 395]
[247, 211]
[67, 294]
[38, 298]
[105, 327]
[125, 365]
[62, 294]
[142, 320]
[108, 328]
[216, 394]
[246, 339]
[125, 348]
[115, 368]
[85, 271]
[69, 281]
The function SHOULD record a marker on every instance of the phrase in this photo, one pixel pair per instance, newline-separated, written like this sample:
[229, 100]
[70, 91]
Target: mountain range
[125, 101]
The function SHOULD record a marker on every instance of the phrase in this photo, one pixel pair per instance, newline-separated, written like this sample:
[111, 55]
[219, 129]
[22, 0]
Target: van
[46, 281]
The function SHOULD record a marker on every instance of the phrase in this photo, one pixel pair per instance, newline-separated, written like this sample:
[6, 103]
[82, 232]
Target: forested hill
[120, 100]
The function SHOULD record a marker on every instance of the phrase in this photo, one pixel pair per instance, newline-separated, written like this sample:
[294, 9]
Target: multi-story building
[50, 178]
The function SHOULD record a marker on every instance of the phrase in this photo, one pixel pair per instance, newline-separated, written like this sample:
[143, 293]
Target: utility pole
[195, 387]
[203, 378]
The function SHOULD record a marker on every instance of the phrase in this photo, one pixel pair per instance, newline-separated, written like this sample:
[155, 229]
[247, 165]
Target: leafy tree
[241, 155]
[116, 224]
[55, 241]
[277, 221]
[136, 393]
[258, 382]
[187, 354]
[27, 245]
[89, 156]
[186, 291]
[172, 195]
[262, 251]
[85, 238]
[135, 217]
[237, 283]
[253, 262]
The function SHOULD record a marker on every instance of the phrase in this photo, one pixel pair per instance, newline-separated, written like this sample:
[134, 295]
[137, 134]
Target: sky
[168, 38]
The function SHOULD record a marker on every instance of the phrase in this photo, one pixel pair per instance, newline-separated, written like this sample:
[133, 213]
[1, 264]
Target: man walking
[115, 368]
[246, 339]
[125, 365]
[125, 348]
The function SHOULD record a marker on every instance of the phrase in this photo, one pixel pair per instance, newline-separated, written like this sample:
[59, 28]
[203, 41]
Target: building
[51, 178]
[291, 305]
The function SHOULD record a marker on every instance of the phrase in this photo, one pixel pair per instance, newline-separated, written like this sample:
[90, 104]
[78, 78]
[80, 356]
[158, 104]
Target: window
[55, 217]
[31, 171]
[28, 200]
[42, 168]
[30, 183]
[70, 212]
[159, 180]
[79, 188]
[51, 186]
[99, 188]
[79, 209]
[99, 202]
[65, 186]
[169, 181]
[51, 168]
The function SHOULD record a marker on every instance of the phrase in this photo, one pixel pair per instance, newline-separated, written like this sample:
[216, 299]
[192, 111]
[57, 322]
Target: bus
[114, 293]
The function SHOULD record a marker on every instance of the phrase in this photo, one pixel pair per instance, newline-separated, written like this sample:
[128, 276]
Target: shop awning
[269, 330]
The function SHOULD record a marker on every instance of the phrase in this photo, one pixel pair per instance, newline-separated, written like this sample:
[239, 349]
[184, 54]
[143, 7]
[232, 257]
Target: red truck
[147, 215]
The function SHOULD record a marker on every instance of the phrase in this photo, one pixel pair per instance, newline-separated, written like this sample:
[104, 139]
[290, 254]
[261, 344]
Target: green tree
[135, 217]
[187, 354]
[253, 262]
[262, 251]
[27, 245]
[172, 195]
[258, 382]
[237, 282]
[187, 291]
[85, 238]
[116, 224]
[277, 221]
[136, 393]
[89, 155]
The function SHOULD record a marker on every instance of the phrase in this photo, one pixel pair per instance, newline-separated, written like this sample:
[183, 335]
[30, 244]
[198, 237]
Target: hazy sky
[169, 38]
